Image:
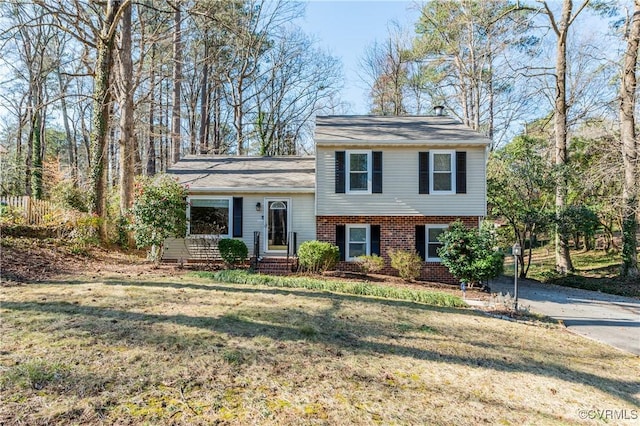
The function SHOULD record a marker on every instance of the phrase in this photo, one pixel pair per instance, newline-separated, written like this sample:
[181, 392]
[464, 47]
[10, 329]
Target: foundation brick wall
[397, 232]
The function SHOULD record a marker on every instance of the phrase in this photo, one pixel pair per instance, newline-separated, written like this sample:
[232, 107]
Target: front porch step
[277, 265]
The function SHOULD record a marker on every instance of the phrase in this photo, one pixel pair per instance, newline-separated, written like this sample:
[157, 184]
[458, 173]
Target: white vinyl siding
[400, 181]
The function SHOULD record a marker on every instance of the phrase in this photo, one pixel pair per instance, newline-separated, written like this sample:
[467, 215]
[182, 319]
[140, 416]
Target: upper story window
[209, 216]
[442, 172]
[359, 171]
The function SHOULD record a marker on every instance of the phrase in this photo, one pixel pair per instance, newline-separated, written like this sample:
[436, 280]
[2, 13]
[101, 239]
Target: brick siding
[397, 232]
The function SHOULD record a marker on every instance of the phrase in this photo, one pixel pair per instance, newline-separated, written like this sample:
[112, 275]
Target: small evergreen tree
[470, 254]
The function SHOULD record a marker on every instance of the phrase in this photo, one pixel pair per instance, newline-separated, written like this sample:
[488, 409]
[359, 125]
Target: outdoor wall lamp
[258, 206]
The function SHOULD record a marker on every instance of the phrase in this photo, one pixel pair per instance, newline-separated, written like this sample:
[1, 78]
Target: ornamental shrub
[233, 251]
[470, 254]
[370, 263]
[159, 212]
[68, 196]
[318, 256]
[407, 262]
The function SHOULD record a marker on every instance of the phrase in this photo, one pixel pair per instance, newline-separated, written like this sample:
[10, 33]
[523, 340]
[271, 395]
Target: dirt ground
[33, 260]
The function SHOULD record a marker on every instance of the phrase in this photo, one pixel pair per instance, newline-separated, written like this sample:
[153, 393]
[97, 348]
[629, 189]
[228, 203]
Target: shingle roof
[394, 130]
[245, 174]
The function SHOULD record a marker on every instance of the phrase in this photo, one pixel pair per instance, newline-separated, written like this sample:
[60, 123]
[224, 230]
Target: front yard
[109, 348]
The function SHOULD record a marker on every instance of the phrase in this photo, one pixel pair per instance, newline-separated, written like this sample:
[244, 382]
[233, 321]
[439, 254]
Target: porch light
[258, 206]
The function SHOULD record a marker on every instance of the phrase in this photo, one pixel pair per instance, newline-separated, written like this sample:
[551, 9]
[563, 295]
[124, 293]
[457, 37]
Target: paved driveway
[614, 320]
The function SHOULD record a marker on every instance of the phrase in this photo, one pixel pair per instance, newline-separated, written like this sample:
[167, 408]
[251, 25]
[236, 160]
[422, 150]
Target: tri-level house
[376, 183]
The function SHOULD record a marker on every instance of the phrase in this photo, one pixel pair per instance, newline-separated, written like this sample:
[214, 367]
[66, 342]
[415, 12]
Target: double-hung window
[209, 216]
[357, 241]
[442, 172]
[433, 244]
[359, 171]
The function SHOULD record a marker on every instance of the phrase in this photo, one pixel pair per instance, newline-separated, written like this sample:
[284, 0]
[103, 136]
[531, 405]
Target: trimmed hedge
[233, 251]
[318, 256]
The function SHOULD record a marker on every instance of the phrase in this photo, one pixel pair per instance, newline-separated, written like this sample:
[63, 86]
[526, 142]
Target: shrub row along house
[376, 183]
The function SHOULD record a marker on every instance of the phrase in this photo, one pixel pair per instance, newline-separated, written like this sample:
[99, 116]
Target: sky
[347, 27]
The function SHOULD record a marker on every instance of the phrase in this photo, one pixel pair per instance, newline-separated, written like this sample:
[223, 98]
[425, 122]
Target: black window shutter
[340, 240]
[461, 172]
[340, 172]
[423, 172]
[375, 240]
[421, 244]
[237, 216]
[376, 181]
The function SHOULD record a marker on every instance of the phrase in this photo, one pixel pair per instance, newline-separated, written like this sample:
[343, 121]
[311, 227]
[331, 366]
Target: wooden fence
[34, 212]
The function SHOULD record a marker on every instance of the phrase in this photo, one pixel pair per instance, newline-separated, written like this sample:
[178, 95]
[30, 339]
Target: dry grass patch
[179, 350]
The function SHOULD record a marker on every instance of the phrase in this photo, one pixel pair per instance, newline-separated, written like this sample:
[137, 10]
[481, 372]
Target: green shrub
[85, 233]
[159, 212]
[370, 263]
[68, 196]
[10, 215]
[470, 254]
[407, 262]
[318, 256]
[233, 251]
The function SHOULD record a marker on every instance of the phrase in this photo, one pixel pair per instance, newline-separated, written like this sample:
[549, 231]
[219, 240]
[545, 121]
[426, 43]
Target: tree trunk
[71, 144]
[101, 111]
[630, 147]
[151, 141]
[204, 103]
[563, 256]
[127, 135]
[36, 149]
[177, 81]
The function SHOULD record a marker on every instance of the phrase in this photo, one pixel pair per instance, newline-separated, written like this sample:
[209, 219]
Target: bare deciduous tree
[628, 87]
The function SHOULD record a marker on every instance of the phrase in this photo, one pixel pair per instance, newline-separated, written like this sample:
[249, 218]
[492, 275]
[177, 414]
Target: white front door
[277, 224]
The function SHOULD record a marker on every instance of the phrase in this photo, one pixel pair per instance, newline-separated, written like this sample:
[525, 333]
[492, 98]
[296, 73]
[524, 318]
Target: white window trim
[348, 172]
[347, 240]
[432, 171]
[210, 197]
[426, 241]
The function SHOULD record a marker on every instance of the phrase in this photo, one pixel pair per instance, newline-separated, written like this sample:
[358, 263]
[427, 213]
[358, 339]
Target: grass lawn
[187, 350]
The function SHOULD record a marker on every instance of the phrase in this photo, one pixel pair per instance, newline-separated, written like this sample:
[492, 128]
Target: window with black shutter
[461, 172]
[376, 185]
[421, 242]
[340, 174]
[237, 216]
[340, 240]
[423, 172]
[375, 239]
